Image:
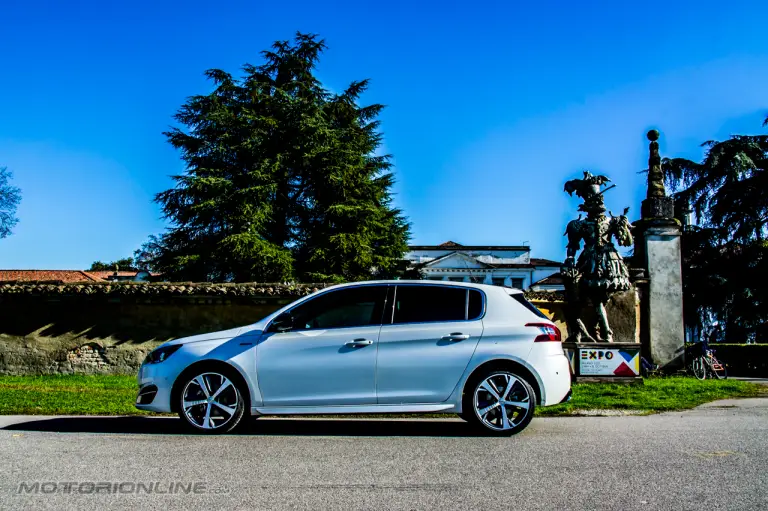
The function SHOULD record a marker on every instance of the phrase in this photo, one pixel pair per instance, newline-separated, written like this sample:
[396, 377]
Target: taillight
[549, 333]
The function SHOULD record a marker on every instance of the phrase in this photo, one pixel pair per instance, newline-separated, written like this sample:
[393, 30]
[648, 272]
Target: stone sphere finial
[653, 135]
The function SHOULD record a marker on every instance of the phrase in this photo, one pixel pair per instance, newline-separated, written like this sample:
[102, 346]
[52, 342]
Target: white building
[510, 266]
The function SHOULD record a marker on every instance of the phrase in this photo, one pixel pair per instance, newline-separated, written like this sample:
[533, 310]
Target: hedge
[743, 359]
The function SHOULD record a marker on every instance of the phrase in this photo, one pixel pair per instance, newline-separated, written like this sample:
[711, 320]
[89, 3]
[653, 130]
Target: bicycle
[703, 363]
[647, 368]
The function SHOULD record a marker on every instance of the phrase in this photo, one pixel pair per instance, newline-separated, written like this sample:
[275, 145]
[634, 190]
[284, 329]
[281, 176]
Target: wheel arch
[504, 363]
[210, 365]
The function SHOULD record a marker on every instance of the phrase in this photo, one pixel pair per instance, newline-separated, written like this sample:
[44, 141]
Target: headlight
[160, 354]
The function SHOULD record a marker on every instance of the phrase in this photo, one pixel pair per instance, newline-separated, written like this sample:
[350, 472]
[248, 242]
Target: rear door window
[475, 306]
[520, 298]
[424, 304]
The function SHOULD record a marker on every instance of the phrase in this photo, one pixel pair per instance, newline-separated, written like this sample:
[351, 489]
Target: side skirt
[352, 409]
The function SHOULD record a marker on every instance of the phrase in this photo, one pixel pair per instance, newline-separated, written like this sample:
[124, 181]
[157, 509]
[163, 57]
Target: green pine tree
[282, 179]
[350, 230]
[725, 257]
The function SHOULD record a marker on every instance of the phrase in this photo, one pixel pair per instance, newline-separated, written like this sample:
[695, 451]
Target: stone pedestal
[658, 207]
[658, 247]
[614, 362]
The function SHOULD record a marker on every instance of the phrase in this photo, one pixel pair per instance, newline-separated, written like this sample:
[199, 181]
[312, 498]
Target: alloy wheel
[210, 401]
[502, 401]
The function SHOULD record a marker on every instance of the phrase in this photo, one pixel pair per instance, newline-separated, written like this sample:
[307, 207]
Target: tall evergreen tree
[349, 229]
[282, 179]
[725, 271]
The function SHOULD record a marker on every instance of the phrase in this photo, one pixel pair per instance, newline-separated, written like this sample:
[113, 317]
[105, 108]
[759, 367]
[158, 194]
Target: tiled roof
[105, 288]
[46, 276]
[553, 280]
[545, 262]
[104, 274]
[65, 276]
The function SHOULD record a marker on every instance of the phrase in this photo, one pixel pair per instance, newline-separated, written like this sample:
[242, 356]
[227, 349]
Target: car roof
[509, 290]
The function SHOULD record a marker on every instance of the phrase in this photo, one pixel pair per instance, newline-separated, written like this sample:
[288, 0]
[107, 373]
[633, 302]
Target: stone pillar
[657, 246]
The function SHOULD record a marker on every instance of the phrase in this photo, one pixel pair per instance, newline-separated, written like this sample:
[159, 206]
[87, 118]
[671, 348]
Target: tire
[211, 400]
[517, 396]
[720, 374]
[699, 368]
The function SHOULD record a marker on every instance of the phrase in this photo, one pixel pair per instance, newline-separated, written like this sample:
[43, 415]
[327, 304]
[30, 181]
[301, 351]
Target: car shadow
[265, 426]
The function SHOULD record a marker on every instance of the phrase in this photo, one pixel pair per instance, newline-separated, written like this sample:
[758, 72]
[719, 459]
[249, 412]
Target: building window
[456, 279]
[498, 281]
[517, 283]
[477, 280]
[435, 278]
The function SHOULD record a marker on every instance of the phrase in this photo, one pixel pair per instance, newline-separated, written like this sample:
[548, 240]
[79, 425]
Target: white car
[479, 351]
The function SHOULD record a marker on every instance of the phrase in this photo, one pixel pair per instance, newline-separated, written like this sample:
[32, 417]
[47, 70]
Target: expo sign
[609, 362]
[596, 355]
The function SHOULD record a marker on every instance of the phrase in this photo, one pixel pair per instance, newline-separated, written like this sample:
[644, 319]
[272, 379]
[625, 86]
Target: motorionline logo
[116, 487]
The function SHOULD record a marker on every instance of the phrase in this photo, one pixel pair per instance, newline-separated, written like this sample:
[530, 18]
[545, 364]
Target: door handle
[358, 343]
[456, 336]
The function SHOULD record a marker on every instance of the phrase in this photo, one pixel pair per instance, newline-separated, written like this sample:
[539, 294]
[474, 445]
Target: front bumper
[147, 394]
[155, 385]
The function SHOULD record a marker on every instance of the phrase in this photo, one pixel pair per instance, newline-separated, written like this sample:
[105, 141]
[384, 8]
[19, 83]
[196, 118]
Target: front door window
[357, 306]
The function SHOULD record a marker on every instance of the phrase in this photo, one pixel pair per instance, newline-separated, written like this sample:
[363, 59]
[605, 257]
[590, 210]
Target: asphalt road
[714, 457]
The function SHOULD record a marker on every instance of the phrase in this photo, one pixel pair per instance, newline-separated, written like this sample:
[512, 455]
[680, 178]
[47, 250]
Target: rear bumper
[567, 397]
[554, 371]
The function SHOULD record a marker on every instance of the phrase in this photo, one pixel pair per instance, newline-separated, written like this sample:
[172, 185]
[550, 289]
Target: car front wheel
[211, 402]
[500, 402]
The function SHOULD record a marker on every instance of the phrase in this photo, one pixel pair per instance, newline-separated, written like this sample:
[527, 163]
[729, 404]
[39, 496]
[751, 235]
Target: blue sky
[491, 105]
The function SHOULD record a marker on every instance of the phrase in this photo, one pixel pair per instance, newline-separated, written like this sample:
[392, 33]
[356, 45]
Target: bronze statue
[599, 271]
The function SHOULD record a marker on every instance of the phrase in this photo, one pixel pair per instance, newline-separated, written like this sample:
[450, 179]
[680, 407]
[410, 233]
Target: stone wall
[57, 329]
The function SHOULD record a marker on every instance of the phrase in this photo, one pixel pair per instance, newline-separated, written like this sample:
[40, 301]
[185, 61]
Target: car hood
[222, 335]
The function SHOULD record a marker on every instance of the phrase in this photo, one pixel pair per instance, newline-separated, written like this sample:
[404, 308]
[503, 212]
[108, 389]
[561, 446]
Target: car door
[431, 338]
[329, 355]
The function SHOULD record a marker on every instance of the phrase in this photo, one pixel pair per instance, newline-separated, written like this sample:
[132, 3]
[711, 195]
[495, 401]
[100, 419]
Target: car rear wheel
[211, 401]
[500, 402]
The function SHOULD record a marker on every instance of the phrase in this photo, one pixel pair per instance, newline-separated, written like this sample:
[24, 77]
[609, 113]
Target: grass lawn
[68, 395]
[115, 395]
[659, 394]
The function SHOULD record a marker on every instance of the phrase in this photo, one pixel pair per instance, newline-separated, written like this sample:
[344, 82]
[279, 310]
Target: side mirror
[282, 323]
